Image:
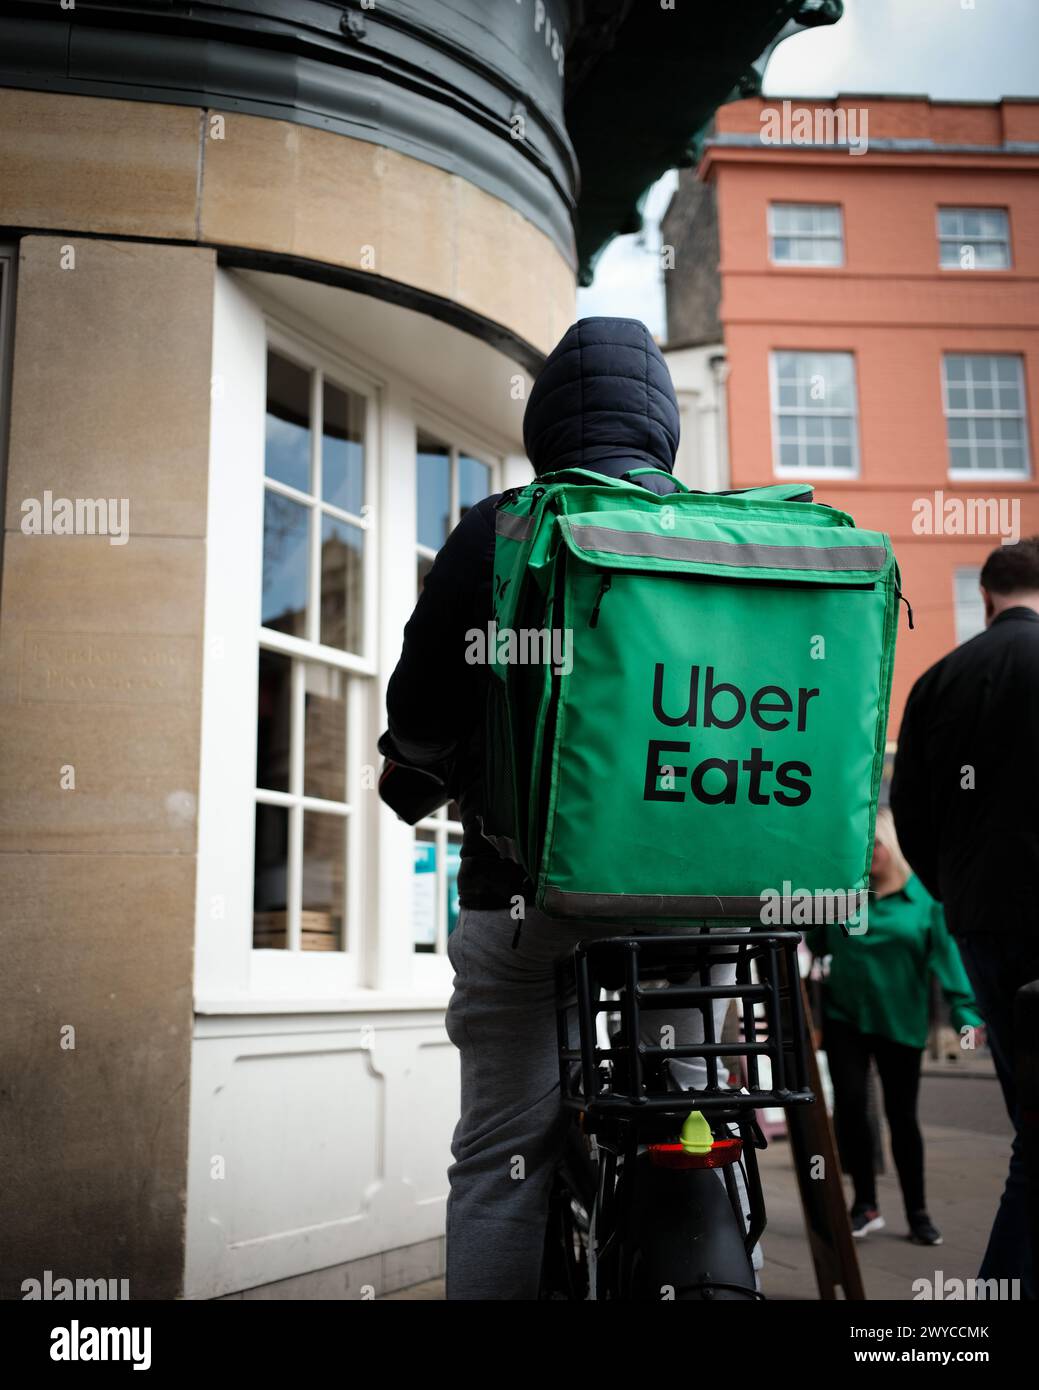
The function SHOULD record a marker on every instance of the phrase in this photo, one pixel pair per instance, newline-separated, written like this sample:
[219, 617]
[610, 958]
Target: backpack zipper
[604, 584]
[901, 597]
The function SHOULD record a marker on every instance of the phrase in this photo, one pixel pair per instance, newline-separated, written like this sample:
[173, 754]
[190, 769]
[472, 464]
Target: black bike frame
[620, 1089]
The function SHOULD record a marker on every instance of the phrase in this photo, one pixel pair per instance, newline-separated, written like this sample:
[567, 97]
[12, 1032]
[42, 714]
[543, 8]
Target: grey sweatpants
[502, 1019]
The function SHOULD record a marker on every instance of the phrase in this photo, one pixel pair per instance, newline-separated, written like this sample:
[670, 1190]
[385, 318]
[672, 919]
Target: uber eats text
[707, 703]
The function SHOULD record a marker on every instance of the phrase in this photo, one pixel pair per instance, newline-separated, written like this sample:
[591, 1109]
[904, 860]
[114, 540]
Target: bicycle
[645, 1203]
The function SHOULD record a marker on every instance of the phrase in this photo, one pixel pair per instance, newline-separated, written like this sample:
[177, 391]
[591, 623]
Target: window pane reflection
[285, 535]
[275, 708]
[424, 891]
[287, 452]
[324, 877]
[434, 492]
[341, 565]
[474, 482]
[324, 752]
[342, 449]
[270, 877]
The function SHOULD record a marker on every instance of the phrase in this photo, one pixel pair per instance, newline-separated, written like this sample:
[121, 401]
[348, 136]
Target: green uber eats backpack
[687, 697]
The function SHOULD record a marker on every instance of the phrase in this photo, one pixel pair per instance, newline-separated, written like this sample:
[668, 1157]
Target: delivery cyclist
[603, 401]
[875, 1004]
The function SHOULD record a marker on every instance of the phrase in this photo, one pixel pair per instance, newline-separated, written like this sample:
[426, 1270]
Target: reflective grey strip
[613, 905]
[560, 902]
[515, 528]
[746, 554]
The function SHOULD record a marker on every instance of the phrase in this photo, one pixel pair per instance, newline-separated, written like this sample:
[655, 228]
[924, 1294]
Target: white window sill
[359, 1001]
[987, 475]
[824, 475]
[807, 265]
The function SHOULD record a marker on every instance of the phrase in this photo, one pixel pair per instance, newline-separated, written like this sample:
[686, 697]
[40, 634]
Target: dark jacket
[603, 401]
[965, 789]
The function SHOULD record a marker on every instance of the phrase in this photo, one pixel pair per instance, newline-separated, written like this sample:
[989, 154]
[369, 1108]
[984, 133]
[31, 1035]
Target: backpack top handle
[633, 473]
[775, 492]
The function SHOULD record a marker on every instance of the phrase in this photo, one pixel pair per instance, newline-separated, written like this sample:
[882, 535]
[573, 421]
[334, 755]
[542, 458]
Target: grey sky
[951, 50]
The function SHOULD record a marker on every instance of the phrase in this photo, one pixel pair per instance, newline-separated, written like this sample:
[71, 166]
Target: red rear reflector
[721, 1153]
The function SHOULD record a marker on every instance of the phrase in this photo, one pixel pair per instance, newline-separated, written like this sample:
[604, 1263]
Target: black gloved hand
[412, 792]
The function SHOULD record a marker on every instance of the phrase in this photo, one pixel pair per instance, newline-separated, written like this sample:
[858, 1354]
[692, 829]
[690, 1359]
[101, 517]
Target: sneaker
[864, 1220]
[922, 1230]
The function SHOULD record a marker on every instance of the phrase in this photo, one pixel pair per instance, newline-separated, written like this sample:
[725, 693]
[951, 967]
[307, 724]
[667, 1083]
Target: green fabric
[745, 642]
[878, 982]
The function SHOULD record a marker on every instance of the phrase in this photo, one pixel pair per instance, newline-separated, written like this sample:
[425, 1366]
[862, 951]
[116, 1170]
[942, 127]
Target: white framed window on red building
[973, 238]
[806, 234]
[814, 414]
[986, 421]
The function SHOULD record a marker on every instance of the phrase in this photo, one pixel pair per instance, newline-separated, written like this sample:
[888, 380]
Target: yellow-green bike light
[696, 1136]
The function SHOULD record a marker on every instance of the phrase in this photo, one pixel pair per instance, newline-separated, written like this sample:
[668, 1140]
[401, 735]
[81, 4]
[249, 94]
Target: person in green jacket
[876, 1004]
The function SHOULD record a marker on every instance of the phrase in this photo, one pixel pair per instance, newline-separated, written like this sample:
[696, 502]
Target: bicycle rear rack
[627, 1078]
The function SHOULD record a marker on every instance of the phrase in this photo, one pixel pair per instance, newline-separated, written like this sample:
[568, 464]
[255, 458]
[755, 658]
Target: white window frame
[454, 453]
[962, 573]
[786, 471]
[458, 441]
[805, 236]
[320, 365]
[385, 972]
[270, 965]
[292, 970]
[230, 972]
[986, 474]
[974, 240]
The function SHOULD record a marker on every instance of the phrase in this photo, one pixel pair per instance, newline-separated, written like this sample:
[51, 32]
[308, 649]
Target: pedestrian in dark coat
[965, 796]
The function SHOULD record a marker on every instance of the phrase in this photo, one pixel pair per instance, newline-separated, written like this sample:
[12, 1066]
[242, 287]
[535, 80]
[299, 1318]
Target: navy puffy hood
[604, 400]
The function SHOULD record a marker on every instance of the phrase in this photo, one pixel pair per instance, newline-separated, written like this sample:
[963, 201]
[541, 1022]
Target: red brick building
[878, 262]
